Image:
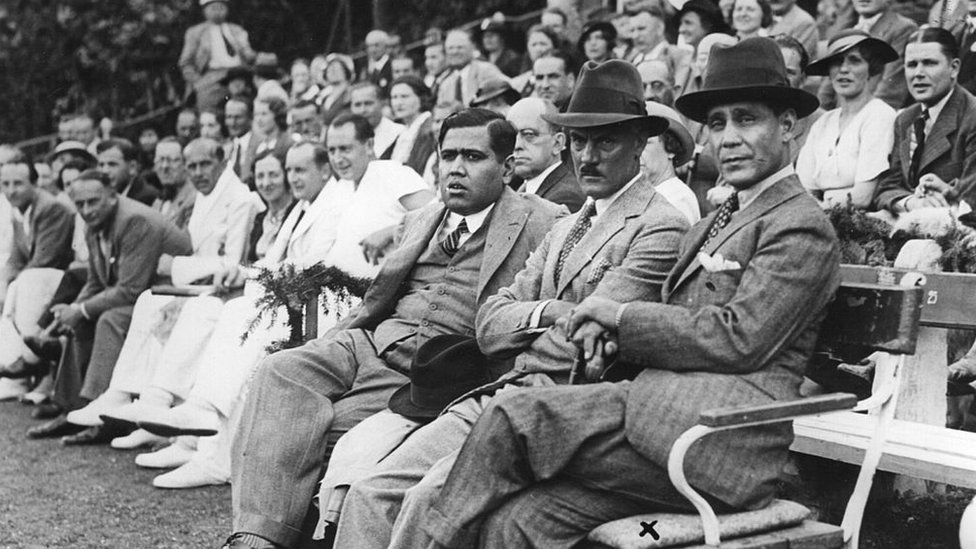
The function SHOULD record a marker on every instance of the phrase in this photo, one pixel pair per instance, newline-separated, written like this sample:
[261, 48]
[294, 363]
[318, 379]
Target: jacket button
[433, 306]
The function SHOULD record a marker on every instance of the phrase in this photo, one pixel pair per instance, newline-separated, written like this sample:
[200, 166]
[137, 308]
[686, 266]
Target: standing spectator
[334, 98]
[933, 158]
[495, 46]
[119, 160]
[435, 63]
[210, 49]
[377, 68]
[751, 18]
[366, 100]
[697, 19]
[411, 102]
[847, 149]
[554, 75]
[467, 74]
[187, 126]
[792, 20]
[597, 41]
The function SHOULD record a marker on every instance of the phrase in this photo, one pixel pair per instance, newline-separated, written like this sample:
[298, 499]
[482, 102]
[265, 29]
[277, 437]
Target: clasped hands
[592, 327]
[931, 192]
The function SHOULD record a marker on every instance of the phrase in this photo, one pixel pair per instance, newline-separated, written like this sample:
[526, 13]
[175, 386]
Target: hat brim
[401, 403]
[79, 151]
[696, 105]
[881, 50]
[513, 97]
[656, 124]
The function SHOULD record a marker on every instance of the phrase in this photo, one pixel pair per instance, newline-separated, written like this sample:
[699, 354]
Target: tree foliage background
[117, 58]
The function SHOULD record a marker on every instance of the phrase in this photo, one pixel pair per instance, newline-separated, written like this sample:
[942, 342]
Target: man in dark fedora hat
[620, 245]
[738, 320]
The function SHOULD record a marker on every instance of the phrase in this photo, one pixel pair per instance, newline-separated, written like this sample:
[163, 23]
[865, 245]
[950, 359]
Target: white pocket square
[716, 263]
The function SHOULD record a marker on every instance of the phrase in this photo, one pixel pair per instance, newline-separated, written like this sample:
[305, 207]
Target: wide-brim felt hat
[607, 93]
[677, 128]
[444, 368]
[844, 42]
[605, 27]
[752, 70]
[493, 89]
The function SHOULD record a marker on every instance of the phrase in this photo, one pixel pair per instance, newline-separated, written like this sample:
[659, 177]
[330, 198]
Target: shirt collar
[532, 185]
[474, 221]
[603, 203]
[748, 196]
[936, 109]
[869, 22]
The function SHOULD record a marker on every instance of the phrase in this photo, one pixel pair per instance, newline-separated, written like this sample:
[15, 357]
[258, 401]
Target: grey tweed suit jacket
[625, 256]
[737, 337]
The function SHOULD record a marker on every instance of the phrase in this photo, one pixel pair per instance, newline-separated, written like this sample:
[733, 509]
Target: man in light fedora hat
[738, 320]
[210, 49]
[620, 245]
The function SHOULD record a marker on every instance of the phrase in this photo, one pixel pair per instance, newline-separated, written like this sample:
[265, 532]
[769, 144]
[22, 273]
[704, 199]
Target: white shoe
[189, 418]
[136, 439]
[131, 414]
[12, 389]
[108, 401]
[174, 455]
[190, 475]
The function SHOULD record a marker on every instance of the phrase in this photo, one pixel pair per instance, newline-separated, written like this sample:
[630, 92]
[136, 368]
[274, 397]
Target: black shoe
[46, 347]
[47, 411]
[20, 369]
[237, 541]
[57, 427]
[103, 434]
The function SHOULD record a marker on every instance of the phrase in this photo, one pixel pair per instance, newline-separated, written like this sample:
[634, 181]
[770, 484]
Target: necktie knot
[722, 217]
[452, 243]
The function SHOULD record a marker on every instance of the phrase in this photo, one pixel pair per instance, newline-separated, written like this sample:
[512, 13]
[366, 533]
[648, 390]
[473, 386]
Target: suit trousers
[543, 467]
[93, 342]
[300, 401]
[68, 289]
[27, 299]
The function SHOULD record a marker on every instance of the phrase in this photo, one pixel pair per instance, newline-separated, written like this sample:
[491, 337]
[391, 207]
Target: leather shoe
[92, 435]
[237, 541]
[20, 368]
[47, 411]
[46, 347]
[963, 370]
[57, 427]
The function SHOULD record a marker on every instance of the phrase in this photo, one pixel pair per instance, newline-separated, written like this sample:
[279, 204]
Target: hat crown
[611, 87]
[751, 62]
[446, 361]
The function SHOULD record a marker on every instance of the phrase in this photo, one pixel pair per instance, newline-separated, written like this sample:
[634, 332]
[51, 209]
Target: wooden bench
[871, 317]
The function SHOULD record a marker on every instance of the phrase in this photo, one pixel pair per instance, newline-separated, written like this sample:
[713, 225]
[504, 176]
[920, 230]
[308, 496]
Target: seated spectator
[494, 44]
[847, 149]
[333, 99]
[435, 65]
[67, 151]
[554, 77]
[497, 96]
[187, 126]
[377, 68]
[270, 133]
[239, 82]
[126, 240]
[794, 21]
[965, 34]
[797, 60]
[431, 285]
[650, 43]
[302, 85]
[625, 42]
[751, 18]
[539, 41]
[271, 181]
[148, 138]
[237, 118]
[538, 155]
[316, 70]
[557, 20]
[367, 100]
[119, 159]
[467, 74]
[658, 82]
[932, 155]
[696, 20]
[411, 102]
[597, 42]
[403, 66]
[440, 113]
[306, 121]
[210, 127]
[266, 76]
[663, 154]
[46, 180]
[177, 195]
[790, 255]
[210, 49]
[79, 127]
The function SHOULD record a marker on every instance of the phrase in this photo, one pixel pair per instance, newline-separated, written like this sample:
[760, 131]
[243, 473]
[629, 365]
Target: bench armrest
[727, 417]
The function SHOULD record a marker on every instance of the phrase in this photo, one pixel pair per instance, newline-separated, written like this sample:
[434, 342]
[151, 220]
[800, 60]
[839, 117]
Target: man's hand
[68, 315]
[600, 310]
[165, 265]
[377, 244]
[931, 200]
[230, 277]
[930, 183]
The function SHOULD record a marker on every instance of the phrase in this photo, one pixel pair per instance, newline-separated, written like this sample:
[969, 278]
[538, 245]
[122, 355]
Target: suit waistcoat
[440, 298]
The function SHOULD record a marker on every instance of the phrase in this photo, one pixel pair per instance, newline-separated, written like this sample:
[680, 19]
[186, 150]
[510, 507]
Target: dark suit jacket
[517, 225]
[49, 245]
[950, 152]
[195, 57]
[423, 146]
[381, 77]
[509, 62]
[732, 337]
[561, 187]
[137, 235]
[140, 191]
[967, 69]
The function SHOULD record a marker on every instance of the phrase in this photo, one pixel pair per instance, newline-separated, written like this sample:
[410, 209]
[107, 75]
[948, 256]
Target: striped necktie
[451, 244]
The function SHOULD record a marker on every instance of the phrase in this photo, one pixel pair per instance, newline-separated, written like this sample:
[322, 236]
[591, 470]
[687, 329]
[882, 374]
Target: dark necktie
[580, 228]
[919, 127]
[722, 217]
[451, 244]
[301, 214]
[230, 49]
[459, 92]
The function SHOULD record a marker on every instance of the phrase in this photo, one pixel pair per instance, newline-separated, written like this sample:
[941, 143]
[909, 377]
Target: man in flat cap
[738, 320]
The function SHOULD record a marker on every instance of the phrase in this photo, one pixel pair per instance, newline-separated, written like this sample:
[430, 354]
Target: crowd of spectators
[129, 264]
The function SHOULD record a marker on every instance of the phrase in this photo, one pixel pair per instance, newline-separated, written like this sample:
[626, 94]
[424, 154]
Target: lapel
[780, 192]
[632, 203]
[883, 24]
[505, 223]
[386, 285]
[551, 180]
[937, 143]
[904, 130]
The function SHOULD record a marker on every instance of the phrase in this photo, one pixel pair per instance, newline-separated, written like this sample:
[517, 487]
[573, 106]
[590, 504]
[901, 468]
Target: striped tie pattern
[722, 218]
[582, 225]
[451, 244]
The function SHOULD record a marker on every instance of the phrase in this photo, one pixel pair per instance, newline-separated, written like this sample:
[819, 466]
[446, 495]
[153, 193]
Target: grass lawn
[94, 496]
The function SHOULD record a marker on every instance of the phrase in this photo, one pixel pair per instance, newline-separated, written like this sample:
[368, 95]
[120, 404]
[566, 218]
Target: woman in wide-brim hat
[847, 148]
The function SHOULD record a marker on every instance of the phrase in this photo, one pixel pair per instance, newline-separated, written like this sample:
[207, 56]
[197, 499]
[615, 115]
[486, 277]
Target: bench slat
[724, 417]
